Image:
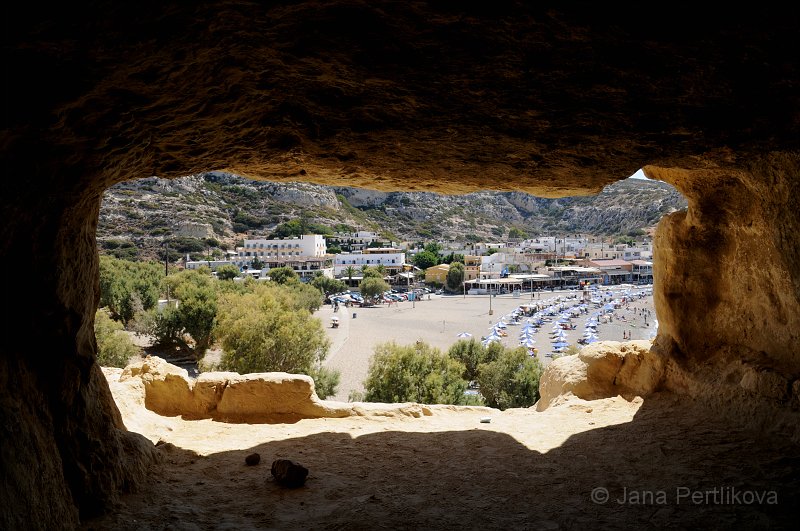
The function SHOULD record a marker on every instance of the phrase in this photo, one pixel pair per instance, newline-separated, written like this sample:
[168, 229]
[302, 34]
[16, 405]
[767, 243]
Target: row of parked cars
[347, 297]
[354, 298]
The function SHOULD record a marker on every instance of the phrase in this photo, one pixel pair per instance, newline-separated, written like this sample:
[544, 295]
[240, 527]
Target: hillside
[208, 212]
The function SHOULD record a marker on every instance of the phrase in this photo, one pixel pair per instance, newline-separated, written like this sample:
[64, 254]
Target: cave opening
[514, 245]
[423, 96]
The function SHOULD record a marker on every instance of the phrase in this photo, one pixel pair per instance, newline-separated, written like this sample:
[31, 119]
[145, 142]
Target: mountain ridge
[220, 209]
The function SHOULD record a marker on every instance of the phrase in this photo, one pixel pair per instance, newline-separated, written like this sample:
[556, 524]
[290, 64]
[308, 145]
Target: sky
[638, 175]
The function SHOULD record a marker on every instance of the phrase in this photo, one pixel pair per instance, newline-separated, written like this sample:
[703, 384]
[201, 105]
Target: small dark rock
[288, 473]
[252, 459]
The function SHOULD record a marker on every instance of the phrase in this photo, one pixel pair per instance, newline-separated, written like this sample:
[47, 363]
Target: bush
[414, 373]
[227, 272]
[114, 347]
[325, 381]
[264, 331]
[512, 380]
[128, 287]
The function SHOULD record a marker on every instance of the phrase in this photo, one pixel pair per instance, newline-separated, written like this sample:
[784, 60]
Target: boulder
[288, 473]
[602, 370]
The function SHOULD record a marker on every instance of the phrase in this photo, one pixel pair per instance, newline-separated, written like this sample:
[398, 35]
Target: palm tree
[364, 269]
[349, 271]
[380, 268]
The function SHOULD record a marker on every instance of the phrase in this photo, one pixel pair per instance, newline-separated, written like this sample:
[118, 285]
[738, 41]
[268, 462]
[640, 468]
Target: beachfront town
[548, 262]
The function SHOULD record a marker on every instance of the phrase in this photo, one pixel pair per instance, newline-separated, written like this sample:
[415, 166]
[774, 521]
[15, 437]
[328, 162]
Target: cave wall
[727, 273]
[552, 100]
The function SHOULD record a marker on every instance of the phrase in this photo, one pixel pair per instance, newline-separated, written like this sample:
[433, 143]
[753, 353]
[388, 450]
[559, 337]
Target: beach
[439, 319]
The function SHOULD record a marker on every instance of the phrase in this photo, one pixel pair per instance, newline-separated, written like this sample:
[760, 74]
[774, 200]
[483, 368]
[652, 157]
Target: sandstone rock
[420, 97]
[253, 459]
[602, 370]
[167, 387]
[796, 393]
[766, 383]
[288, 473]
[231, 397]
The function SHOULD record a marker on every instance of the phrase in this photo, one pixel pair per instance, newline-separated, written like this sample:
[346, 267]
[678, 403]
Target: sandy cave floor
[523, 470]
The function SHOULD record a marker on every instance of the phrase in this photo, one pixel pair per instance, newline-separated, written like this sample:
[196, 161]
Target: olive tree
[114, 347]
[372, 287]
[511, 380]
[261, 332]
[414, 373]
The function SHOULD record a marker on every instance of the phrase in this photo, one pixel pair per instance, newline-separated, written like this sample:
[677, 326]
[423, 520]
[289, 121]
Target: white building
[308, 245]
[618, 251]
[390, 258]
[306, 255]
[355, 241]
[543, 244]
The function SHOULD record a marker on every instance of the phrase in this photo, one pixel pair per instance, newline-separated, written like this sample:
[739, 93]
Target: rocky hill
[205, 213]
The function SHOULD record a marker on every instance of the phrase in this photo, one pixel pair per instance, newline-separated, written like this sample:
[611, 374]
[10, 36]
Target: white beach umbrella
[528, 343]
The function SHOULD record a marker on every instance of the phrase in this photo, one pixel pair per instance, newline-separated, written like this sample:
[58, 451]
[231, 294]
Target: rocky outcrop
[602, 370]
[232, 397]
[519, 96]
[732, 262]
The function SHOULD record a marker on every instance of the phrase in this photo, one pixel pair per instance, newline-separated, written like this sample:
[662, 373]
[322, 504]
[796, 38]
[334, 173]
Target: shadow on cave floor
[484, 479]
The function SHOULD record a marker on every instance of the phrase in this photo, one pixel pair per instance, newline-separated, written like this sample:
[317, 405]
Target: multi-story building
[437, 273]
[613, 271]
[307, 245]
[472, 267]
[355, 241]
[306, 255]
[389, 257]
[642, 271]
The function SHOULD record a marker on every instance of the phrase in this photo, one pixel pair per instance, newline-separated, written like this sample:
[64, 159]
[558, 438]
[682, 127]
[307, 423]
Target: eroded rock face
[602, 370]
[728, 276]
[389, 96]
[257, 398]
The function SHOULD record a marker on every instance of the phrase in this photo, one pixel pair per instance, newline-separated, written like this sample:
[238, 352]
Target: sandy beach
[438, 319]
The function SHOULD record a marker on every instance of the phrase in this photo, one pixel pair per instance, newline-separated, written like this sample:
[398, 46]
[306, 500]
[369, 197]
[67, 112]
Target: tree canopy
[282, 275]
[328, 286]
[425, 259]
[512, 380]
[227, 272]
[372, 287]
[455, 277]
[263, 332]
[414, 373]
[127, 288]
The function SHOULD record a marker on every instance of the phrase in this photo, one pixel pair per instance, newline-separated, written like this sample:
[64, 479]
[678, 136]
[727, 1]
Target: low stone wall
[252, 398]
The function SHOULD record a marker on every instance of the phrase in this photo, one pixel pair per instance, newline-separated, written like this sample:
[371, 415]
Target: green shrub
[114, 347]
[512, 380]
[414, 373]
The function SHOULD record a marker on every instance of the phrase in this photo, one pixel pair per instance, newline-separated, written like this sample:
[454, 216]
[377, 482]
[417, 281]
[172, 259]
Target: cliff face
[455, 98]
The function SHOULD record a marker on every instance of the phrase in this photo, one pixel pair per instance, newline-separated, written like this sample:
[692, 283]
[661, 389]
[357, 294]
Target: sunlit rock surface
[387, 95]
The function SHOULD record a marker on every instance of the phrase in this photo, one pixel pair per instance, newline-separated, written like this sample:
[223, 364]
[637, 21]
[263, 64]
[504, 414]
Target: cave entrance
[579, 268]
